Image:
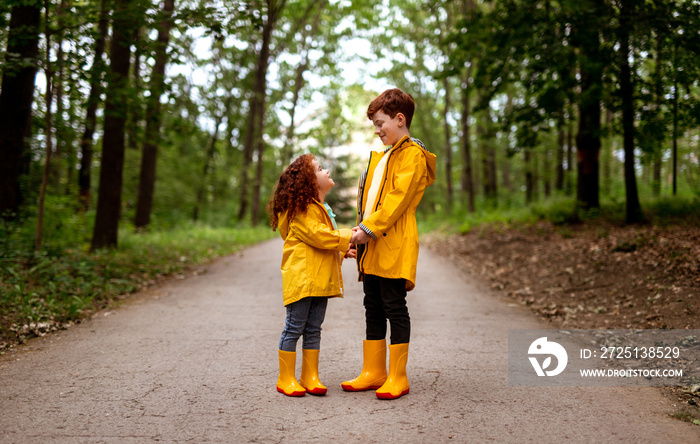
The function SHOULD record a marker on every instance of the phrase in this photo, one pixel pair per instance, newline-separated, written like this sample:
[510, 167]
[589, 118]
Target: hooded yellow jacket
[312, 254]
[393, 252]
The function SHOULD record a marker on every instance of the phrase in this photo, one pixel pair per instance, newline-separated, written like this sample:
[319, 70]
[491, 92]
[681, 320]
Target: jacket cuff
[364, 228]
[345, 236]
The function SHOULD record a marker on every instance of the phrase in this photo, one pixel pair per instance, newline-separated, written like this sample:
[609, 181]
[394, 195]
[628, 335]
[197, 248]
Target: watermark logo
[543, 347]
[603, 357]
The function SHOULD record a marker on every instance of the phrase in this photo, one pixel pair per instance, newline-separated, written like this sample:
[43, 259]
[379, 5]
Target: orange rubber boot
[309, 373]
[396, 384]
[287, 383]
[373, 367]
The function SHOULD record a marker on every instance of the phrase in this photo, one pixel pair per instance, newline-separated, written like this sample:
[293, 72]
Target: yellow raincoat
[394, 251]
[312, 254]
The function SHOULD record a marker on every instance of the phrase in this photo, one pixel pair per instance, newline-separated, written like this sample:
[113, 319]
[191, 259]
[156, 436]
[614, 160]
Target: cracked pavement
[195, 360]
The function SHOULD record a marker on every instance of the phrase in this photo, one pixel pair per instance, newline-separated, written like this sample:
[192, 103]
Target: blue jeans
[304, 317]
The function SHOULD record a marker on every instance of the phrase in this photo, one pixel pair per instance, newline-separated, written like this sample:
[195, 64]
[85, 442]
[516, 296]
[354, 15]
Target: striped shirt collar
[414, 140]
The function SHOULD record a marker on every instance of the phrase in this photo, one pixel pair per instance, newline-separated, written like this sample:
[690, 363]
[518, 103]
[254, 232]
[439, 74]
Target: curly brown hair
[295, 190]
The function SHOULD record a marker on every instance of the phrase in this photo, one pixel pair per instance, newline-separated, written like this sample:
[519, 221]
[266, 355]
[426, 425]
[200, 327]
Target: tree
[16, 97]
[147, 177]
[93, 101]
[633, 210]
[586, 38]
[448, 144]
[254, 133]
[125, 24]
[48, 119]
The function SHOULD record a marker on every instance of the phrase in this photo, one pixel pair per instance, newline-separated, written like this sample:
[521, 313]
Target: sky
[355, 71]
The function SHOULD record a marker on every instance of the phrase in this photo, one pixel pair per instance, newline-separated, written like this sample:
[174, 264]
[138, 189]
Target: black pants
[386, 299]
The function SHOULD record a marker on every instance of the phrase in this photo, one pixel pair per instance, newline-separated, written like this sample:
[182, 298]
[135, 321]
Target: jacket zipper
[361, 263]
[360, 211]
[362, 191]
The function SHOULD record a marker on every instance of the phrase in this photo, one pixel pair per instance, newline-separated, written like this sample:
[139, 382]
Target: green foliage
[63, 284]
[667, 210]
[561, 211]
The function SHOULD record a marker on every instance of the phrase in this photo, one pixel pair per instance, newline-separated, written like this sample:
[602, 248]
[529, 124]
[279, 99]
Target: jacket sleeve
[313, 232]
[409, 181]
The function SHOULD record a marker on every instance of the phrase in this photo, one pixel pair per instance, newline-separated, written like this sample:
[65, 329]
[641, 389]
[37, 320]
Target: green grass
[43, 292]
[562, 211]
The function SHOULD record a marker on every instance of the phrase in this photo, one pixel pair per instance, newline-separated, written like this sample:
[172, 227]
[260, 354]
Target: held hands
[352, 252]
[359, 236]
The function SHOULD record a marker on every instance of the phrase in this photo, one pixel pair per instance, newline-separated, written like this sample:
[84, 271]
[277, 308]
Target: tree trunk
[48, 98]
[288, 150]
[658, 149]
[207, 162]
[16, 99]
[568, 182]
[468, 10]
[256, 117]
[607, 152]
[633, 211]
[135, 110]
[535, 175]
[255, 207]
[674, 154]
[84, 176]
[61, 148]
[488, 158]
[72, 82]
[448, 145]
[147, 177]
[467, 175]
[481, 152]
[105, 233]
[546, 171]
[561, 134]
[588, 137]
[505, 170]
[529, 176]
[656, 174]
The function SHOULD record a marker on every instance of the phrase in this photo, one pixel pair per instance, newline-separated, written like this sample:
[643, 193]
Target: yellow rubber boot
[373, 367]
[396, 384]
[309, 373]
[287, 383]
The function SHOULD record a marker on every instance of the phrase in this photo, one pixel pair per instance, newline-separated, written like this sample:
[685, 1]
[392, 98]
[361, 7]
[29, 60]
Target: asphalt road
[196, 361]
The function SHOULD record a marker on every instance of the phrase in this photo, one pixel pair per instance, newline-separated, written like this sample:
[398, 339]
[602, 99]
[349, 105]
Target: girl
[311, 258]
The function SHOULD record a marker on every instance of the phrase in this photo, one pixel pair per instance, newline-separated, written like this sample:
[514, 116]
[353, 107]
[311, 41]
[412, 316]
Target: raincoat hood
[430, 161]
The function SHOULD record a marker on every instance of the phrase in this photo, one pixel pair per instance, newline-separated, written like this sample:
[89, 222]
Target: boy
[387, 241]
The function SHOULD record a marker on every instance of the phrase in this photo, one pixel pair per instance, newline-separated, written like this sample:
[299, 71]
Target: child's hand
[359, 236]
[352, 252]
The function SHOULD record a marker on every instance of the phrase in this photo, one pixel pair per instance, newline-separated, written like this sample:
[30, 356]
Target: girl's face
[323, 178]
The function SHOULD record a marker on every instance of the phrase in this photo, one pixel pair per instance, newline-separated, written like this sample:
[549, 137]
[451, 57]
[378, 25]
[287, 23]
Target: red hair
[391, 102]
[295, 190]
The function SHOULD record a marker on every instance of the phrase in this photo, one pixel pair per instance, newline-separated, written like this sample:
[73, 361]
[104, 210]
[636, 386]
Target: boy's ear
[400, 119]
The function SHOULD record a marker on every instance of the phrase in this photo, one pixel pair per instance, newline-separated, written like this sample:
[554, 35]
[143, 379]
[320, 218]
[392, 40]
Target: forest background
[140, 138]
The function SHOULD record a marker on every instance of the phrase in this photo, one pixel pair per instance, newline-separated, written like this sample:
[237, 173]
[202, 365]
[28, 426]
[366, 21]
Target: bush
[45, 291]
[561, 210]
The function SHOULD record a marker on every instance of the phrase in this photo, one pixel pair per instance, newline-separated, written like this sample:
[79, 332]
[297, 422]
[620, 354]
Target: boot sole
[317, 391]
[390, 396]
[349, 388]
[295, 393]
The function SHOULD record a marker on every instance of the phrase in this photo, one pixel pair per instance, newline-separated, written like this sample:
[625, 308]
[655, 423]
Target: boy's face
[389, 130]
